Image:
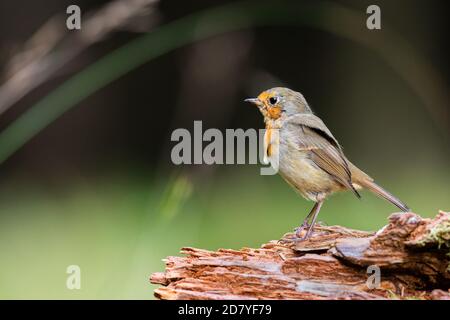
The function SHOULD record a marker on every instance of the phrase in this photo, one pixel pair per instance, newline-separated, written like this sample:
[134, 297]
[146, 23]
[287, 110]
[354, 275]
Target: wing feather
[324, 149]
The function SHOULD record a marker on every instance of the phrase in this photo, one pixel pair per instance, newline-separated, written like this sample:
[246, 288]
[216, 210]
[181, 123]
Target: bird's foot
[307, 235]
[304, 238]
[298, 234]
[299, 230]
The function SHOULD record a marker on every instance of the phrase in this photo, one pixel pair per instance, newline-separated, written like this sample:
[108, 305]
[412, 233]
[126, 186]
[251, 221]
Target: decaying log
[411, 254]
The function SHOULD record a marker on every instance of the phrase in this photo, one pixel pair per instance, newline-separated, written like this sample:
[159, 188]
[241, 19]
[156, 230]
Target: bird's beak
[255, 101]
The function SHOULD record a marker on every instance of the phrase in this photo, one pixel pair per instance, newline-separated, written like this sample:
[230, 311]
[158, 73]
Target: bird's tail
[379, 191]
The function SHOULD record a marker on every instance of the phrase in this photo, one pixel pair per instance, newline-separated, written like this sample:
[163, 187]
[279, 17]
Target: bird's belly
[301, 173]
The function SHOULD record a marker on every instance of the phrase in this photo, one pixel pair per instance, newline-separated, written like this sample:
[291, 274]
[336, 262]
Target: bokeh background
[86, 118]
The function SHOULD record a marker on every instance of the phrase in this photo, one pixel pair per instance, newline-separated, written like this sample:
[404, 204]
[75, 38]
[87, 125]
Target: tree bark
[407, 259]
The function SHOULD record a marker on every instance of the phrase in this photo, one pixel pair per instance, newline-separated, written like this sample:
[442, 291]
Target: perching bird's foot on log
[407, 259]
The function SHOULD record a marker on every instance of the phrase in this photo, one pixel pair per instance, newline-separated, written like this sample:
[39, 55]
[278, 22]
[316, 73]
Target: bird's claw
[299, 230]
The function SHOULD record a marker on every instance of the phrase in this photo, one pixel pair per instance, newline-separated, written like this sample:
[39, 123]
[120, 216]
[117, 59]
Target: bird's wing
[326, 152]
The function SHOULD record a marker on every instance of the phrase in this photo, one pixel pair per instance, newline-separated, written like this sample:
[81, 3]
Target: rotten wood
[412, 255]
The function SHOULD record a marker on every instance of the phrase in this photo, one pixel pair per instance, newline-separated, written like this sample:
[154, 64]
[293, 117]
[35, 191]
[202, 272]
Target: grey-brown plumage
[310, 158]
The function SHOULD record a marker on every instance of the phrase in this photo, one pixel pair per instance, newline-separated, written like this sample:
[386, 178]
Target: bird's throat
[274, 112]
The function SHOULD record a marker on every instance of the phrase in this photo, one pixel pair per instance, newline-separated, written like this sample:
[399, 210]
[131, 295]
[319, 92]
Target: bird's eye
[273, 100]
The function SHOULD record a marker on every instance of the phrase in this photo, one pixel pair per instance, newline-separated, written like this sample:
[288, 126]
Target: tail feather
[379, 191]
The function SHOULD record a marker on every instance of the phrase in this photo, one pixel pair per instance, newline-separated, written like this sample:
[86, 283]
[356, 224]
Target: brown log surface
[412, 254]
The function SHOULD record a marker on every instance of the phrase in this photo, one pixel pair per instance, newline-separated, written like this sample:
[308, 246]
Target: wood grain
[412, 254]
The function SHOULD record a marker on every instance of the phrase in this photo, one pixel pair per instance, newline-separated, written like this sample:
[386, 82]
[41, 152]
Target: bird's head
[278, 102]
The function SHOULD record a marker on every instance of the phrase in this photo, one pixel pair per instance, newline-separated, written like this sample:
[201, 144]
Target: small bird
[310, 158]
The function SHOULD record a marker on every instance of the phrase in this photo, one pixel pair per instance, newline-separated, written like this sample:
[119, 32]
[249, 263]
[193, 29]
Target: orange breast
[271, 140]
[267, 142]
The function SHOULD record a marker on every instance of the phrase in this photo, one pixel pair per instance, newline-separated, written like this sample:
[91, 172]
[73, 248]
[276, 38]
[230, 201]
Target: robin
[310, 158]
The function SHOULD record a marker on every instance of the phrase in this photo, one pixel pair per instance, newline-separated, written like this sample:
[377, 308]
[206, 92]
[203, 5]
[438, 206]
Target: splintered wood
[407, 259]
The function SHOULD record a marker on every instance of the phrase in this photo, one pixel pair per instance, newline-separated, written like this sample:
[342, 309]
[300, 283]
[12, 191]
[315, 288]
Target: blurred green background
[86, 177]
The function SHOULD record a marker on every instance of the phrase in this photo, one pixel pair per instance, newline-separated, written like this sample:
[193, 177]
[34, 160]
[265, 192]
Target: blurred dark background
[96, 187]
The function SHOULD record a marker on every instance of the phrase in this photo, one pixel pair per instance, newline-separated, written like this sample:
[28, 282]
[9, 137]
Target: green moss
[393, 296]
[414, 298]
[439, 235]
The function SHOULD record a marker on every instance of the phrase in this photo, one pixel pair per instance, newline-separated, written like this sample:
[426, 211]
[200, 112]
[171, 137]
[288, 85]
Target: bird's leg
[305, 223]
[314, 213]
[313, 222]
